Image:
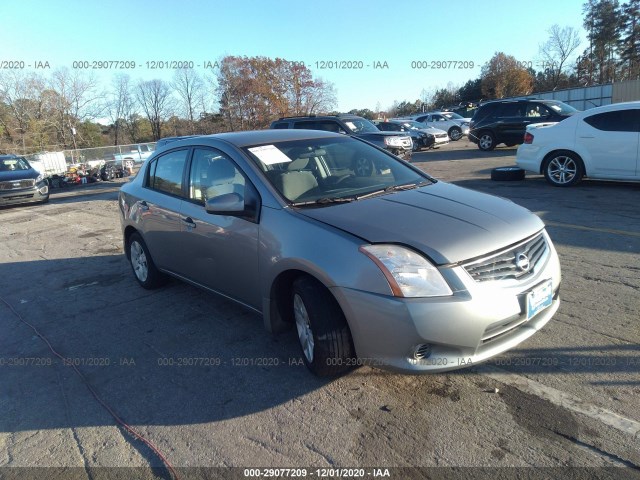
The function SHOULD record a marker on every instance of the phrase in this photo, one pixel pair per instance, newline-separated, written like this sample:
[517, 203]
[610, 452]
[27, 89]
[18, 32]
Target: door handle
[586, 136]
[189, 222]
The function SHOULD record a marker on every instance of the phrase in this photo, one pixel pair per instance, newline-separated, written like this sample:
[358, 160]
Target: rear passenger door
[510, 124]
[611, 139]
[160, 218]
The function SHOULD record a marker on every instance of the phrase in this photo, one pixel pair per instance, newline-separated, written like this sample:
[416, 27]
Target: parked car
[372, 260]
[436, 137]
[135, 153]
[505, 121]
[395, 142]
[20, 182]
[598, 143]
[454, 127]
[421, 140]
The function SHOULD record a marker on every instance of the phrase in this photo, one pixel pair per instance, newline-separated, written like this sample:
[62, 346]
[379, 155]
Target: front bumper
[401, 153]
[39, 193]
[475, 324]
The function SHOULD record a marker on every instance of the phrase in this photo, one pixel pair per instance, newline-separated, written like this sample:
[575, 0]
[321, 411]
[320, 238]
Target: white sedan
[600, 143]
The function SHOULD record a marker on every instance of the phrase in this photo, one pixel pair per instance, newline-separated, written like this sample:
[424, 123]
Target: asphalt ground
[199, 378]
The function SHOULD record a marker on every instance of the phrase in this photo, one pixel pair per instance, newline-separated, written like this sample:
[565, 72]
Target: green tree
[629, 42]
[603, 24]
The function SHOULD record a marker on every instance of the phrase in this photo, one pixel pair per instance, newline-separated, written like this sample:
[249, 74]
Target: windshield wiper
[393, 188]
[325, 201]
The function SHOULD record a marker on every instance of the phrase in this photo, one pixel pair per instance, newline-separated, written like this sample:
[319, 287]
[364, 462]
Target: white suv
[456, 128]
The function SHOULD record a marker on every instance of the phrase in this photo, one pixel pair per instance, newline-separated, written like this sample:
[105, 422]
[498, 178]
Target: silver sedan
[370, 259]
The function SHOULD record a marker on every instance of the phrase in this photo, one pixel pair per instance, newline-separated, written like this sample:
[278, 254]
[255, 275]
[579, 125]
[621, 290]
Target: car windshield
[562, 108]
[10, 164]
[413, 125]
[360, 125]
[323, 171]
[452, 115]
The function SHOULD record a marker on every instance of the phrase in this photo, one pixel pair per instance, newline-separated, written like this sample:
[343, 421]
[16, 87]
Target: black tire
[563, 169]
[323, 333]
[507, 174]
[455, 133]
[144, 270]
[486, 141]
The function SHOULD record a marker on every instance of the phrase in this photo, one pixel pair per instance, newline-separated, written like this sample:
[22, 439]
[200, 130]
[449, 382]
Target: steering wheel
[364, 167]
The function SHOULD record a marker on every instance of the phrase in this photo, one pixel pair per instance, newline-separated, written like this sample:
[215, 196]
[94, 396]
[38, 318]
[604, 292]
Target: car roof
[257, 137]
[9, 156]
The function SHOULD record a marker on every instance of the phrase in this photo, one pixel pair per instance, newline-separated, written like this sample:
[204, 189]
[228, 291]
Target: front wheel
[145, 271]
[325, 339]
[455, 133]
[563, 169]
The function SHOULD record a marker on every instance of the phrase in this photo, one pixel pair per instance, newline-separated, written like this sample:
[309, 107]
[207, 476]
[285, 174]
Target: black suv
[505, 121]
[395, 142]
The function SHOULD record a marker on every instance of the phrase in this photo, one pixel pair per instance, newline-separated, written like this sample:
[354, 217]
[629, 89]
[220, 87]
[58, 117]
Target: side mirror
[227, 204]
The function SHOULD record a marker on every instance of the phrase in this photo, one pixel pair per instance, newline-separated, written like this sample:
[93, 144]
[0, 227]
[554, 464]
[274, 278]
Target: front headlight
[395, 141]
[40, 178]
[408, 273]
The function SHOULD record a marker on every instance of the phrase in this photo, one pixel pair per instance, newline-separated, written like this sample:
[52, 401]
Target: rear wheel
[145, 271]
[486, 141]
[324, 335]
[563, 169]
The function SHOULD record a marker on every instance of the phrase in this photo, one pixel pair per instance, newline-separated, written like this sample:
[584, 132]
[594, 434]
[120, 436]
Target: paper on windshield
[351, 125]
[270, 154]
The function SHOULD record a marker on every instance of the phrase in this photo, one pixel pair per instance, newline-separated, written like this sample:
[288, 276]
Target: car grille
[516, 262]
[17, 184]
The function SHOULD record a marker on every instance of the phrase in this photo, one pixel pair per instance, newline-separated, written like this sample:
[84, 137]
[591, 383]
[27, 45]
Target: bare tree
[154, 96]
[76, 99]
[192, 91]
[119, 105]
[557, 49]
[20, 95]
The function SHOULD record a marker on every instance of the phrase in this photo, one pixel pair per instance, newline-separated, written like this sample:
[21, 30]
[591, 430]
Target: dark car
[112, 169]
[20, 182]
[505, 121]
[421, 140]
[397, 143]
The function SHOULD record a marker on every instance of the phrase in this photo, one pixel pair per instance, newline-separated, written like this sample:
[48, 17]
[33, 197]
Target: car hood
[433, 130]
[447, 223]
[13, 175]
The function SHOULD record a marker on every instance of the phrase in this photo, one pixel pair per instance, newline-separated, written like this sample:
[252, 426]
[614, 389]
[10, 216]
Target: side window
[213, 174]
[438, 118]
[618, 121]
[512, 110]
[165, 172]
[536, 110]
[326, 125]
[281, 125]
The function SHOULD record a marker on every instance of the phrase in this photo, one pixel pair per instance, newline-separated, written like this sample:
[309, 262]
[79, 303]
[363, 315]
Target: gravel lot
[200, 379]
